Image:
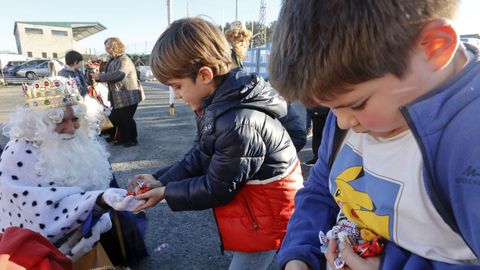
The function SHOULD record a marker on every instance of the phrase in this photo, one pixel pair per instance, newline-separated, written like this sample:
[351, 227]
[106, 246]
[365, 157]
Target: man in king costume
[54, 171]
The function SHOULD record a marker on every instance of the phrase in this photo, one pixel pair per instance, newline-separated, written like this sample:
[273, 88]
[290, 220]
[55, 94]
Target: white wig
[79, 161]
[35, 124]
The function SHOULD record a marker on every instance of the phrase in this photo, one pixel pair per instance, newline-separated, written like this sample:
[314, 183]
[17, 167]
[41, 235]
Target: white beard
[74, 160]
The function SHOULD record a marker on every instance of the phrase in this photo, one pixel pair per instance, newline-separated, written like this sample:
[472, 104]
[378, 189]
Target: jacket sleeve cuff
[161, 172]
[174, 196]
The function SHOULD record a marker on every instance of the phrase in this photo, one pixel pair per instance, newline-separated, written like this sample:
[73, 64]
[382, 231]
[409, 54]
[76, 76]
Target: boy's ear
[439, 42]
[205, 74]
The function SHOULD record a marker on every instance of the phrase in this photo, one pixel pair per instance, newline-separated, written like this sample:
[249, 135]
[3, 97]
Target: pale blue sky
[132, 21]
[137, 22]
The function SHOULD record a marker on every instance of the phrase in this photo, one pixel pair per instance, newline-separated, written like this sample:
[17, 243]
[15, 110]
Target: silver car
[40, 70]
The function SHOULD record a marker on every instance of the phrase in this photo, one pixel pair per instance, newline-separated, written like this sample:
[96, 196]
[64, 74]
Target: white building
[51, 40]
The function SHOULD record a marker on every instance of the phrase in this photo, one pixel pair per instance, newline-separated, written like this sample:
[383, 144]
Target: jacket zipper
[446, 214]
[250, 215]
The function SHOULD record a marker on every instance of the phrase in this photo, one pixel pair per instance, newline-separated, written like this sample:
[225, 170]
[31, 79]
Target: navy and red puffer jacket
[244, 165]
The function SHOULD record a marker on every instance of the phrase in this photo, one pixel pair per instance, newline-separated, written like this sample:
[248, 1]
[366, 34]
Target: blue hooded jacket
[445, 124]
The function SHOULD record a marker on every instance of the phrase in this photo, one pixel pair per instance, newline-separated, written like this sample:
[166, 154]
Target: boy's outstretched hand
[149, 189]
[145, 183]
[152, 197]
[147, 180]
[352, 260]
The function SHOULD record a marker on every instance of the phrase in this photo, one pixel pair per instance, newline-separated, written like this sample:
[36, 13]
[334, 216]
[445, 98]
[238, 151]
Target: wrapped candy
[141, 188]
[364, 242]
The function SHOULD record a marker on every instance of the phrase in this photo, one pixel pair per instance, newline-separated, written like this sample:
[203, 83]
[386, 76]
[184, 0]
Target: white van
[7, 57]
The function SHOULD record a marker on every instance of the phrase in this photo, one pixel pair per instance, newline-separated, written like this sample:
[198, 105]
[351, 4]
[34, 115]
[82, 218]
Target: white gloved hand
[104, 224]
[117, 199]
[66, 247]
[77, 246]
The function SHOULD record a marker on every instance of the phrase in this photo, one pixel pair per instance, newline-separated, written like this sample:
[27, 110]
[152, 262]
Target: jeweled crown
[51, 92]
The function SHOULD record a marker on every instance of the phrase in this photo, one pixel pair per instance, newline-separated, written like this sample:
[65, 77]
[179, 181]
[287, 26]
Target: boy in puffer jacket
[244, 164]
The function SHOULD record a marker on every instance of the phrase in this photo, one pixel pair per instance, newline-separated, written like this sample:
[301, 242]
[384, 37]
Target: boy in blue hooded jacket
[398, 155]
[73, 61]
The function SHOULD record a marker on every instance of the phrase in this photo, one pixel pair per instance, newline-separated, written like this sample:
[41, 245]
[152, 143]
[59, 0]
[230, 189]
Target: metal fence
[11, 79]
[256, 61]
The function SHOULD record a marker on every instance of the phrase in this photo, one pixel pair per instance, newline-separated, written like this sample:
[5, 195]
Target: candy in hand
[119, 200]
[140, 189]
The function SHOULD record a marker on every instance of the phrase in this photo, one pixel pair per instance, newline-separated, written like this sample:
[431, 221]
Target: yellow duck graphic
[358, 206]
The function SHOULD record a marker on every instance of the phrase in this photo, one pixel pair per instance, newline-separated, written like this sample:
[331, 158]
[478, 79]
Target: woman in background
[125, 90]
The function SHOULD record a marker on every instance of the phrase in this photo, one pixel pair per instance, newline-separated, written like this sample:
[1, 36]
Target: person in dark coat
[318, 115]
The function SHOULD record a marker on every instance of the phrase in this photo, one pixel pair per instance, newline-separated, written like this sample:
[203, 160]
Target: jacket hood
[241, 89]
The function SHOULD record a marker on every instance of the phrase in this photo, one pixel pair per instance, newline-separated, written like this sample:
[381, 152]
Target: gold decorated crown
[51, 92]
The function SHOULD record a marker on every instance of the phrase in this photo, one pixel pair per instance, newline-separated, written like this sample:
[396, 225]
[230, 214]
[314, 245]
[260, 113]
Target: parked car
[12, 64]
[7, 57]
[40, 70]
[31, 63]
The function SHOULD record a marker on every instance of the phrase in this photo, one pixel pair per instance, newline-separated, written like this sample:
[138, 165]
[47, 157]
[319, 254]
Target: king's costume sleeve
[28, 200]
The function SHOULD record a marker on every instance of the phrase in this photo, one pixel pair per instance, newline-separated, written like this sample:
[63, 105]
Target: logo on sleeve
[470, 176]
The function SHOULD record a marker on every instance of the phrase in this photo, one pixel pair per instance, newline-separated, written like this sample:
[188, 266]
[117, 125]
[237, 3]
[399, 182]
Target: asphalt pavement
[175, 240]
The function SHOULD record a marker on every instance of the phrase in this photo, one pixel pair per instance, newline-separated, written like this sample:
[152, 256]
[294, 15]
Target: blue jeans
[252, 260]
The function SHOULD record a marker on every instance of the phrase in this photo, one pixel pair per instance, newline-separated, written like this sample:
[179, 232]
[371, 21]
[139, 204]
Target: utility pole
[223, 21]
[262, 22]
[187, 9]
[236, 10]
[169, 11]
[171, 111]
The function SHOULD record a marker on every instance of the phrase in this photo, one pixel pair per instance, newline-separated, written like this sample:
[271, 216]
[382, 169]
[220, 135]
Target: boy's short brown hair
[187, 45]
[322, 47]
